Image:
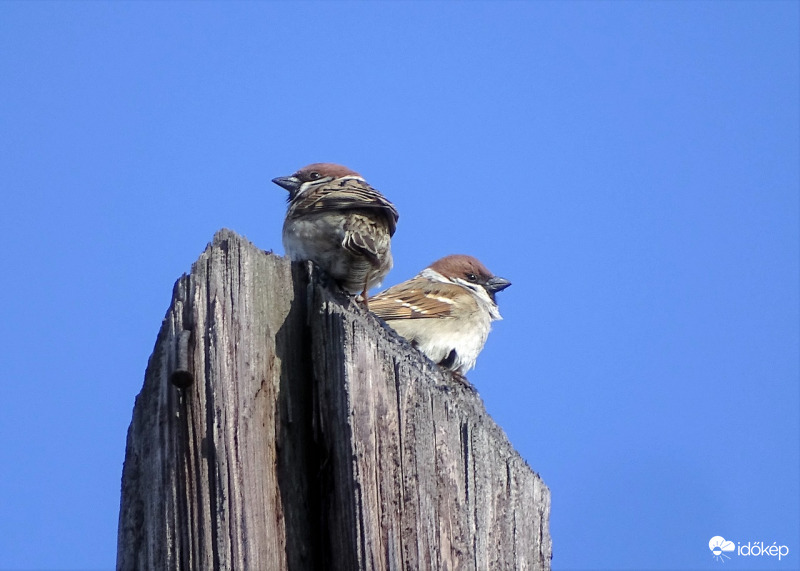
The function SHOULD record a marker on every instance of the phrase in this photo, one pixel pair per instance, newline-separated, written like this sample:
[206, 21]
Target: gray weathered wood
[311, 437]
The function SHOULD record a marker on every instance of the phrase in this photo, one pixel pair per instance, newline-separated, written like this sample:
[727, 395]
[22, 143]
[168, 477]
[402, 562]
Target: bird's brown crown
[460, 265]
[321, 170]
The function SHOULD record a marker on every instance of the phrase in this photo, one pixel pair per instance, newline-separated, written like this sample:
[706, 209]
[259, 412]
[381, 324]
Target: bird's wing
[411, 302]
[350, 194]
[363, 237]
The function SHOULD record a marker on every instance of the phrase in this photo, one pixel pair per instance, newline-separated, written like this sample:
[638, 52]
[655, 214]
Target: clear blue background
[631, 167]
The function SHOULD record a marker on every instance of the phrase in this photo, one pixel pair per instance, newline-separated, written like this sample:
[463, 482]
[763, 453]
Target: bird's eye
[314, 175]
[472, 277]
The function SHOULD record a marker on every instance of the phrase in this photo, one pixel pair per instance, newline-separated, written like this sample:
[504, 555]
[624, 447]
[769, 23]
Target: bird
[341, 223]
[445, 311]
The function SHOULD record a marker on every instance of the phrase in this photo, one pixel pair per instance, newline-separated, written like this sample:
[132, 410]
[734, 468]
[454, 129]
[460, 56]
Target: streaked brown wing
[416, 303]
[350, 194]
[364, 237]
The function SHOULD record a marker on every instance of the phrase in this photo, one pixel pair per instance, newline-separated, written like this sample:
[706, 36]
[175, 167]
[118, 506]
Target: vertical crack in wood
[299, 455]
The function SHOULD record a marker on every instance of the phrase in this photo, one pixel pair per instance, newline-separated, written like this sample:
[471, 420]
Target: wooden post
[281, 426]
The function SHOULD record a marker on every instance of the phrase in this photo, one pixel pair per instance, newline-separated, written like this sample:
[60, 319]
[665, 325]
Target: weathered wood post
[281, 426]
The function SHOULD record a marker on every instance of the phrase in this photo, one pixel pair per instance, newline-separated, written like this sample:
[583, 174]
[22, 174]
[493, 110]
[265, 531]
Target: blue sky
[631, 167]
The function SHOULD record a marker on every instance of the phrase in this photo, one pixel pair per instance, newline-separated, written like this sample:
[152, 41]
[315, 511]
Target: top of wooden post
[303, 433]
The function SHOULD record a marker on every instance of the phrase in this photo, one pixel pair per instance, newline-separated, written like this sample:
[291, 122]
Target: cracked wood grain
[307, 435]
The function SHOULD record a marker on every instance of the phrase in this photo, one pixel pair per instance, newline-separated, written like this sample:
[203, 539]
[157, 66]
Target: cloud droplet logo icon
[719, 546]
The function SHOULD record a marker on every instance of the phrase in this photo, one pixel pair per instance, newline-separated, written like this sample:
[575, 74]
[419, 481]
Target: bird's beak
[496, 284]
[290, 183]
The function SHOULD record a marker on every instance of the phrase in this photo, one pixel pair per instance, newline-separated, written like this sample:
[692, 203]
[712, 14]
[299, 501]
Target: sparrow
[445, 311]
[341, 223]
